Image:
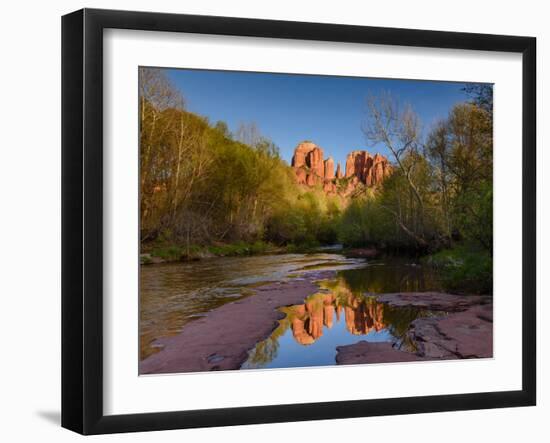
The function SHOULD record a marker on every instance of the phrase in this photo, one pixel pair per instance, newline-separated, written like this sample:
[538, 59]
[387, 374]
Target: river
[340, 313]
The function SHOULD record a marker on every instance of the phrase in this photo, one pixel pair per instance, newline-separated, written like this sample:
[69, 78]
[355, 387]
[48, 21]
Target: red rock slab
[466, 334]
[367, 352]
[463, 330]
[434, 301]
[222, 338]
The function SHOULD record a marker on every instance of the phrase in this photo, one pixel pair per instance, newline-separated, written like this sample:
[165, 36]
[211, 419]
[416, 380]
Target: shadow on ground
[54, 417]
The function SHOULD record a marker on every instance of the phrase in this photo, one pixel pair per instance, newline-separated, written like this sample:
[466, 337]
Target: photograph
[299, 220]
[213, 211]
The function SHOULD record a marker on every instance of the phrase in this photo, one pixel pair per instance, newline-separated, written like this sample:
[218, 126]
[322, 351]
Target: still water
[341, 312]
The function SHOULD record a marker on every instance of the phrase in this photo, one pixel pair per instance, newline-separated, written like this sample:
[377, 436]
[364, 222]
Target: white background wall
[30, 218]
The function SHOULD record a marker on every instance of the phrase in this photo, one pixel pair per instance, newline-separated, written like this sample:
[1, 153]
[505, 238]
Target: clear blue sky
[290, 108]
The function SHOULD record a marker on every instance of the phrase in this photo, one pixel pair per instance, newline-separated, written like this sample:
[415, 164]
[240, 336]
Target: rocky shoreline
[460, 327]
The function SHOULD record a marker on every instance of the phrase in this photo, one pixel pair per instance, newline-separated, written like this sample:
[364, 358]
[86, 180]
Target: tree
[461, 151]
[157, 97]
[248, 133]
[437, 149]
[470, 164]
[482, 95]
[223, 129]
[397, 127]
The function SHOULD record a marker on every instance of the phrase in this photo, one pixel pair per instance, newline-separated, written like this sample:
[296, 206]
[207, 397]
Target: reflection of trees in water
[362, 315]
[266, 350]
[394, 277]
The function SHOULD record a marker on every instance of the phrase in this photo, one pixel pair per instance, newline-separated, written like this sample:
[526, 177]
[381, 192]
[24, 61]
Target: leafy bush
[464, 270]
[302, 248]
[240, 249]
[307, 220]
[168, 253]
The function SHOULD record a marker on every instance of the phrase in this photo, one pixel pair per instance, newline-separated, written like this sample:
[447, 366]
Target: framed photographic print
[269, 221]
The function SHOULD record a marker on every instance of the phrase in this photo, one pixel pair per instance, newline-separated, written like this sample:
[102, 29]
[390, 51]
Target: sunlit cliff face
[362, 314]
[361, 168]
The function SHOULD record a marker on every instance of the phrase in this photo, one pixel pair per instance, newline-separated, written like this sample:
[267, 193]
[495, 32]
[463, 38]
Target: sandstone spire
[311, 169]
[329, 168]
[339, 171]
[309, 164]
[368, 169]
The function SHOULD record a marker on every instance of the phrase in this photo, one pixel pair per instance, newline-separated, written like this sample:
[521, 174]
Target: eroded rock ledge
[463, 330]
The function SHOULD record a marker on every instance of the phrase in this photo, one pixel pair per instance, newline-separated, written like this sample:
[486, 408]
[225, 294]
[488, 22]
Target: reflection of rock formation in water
[299, 322]
[314, 308]
[328, 315]
[307, 320]
[459, 327]
[362, 316]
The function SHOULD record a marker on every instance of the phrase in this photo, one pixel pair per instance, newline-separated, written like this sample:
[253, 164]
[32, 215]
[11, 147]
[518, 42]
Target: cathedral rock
[368, 169]
[361, 167]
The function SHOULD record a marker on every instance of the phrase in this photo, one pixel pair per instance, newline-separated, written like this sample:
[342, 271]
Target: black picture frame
[82, 219]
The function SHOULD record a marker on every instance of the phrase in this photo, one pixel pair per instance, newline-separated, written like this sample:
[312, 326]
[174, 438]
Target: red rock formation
[339, 174]
[300, 153]
[329, 186]
[308, 163]
[381, 168]
[352, 161]
[315, 161]
[311, 179]
[361, 167]
[329, 168]
[369, 170]
[368, 352]
[378, 171]
[301, 175]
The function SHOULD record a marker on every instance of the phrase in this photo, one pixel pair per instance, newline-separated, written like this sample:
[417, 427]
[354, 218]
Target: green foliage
[461, 149]
[202, 185]
[222, 128]
[145, 260]
[464, 269]
[361, 223]
[474, 215]
[306, 220]
[209, 191]
[436, 196]
[241, 249]
[481, 94]
[199, 184]
[303, 248]
[168, 253]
